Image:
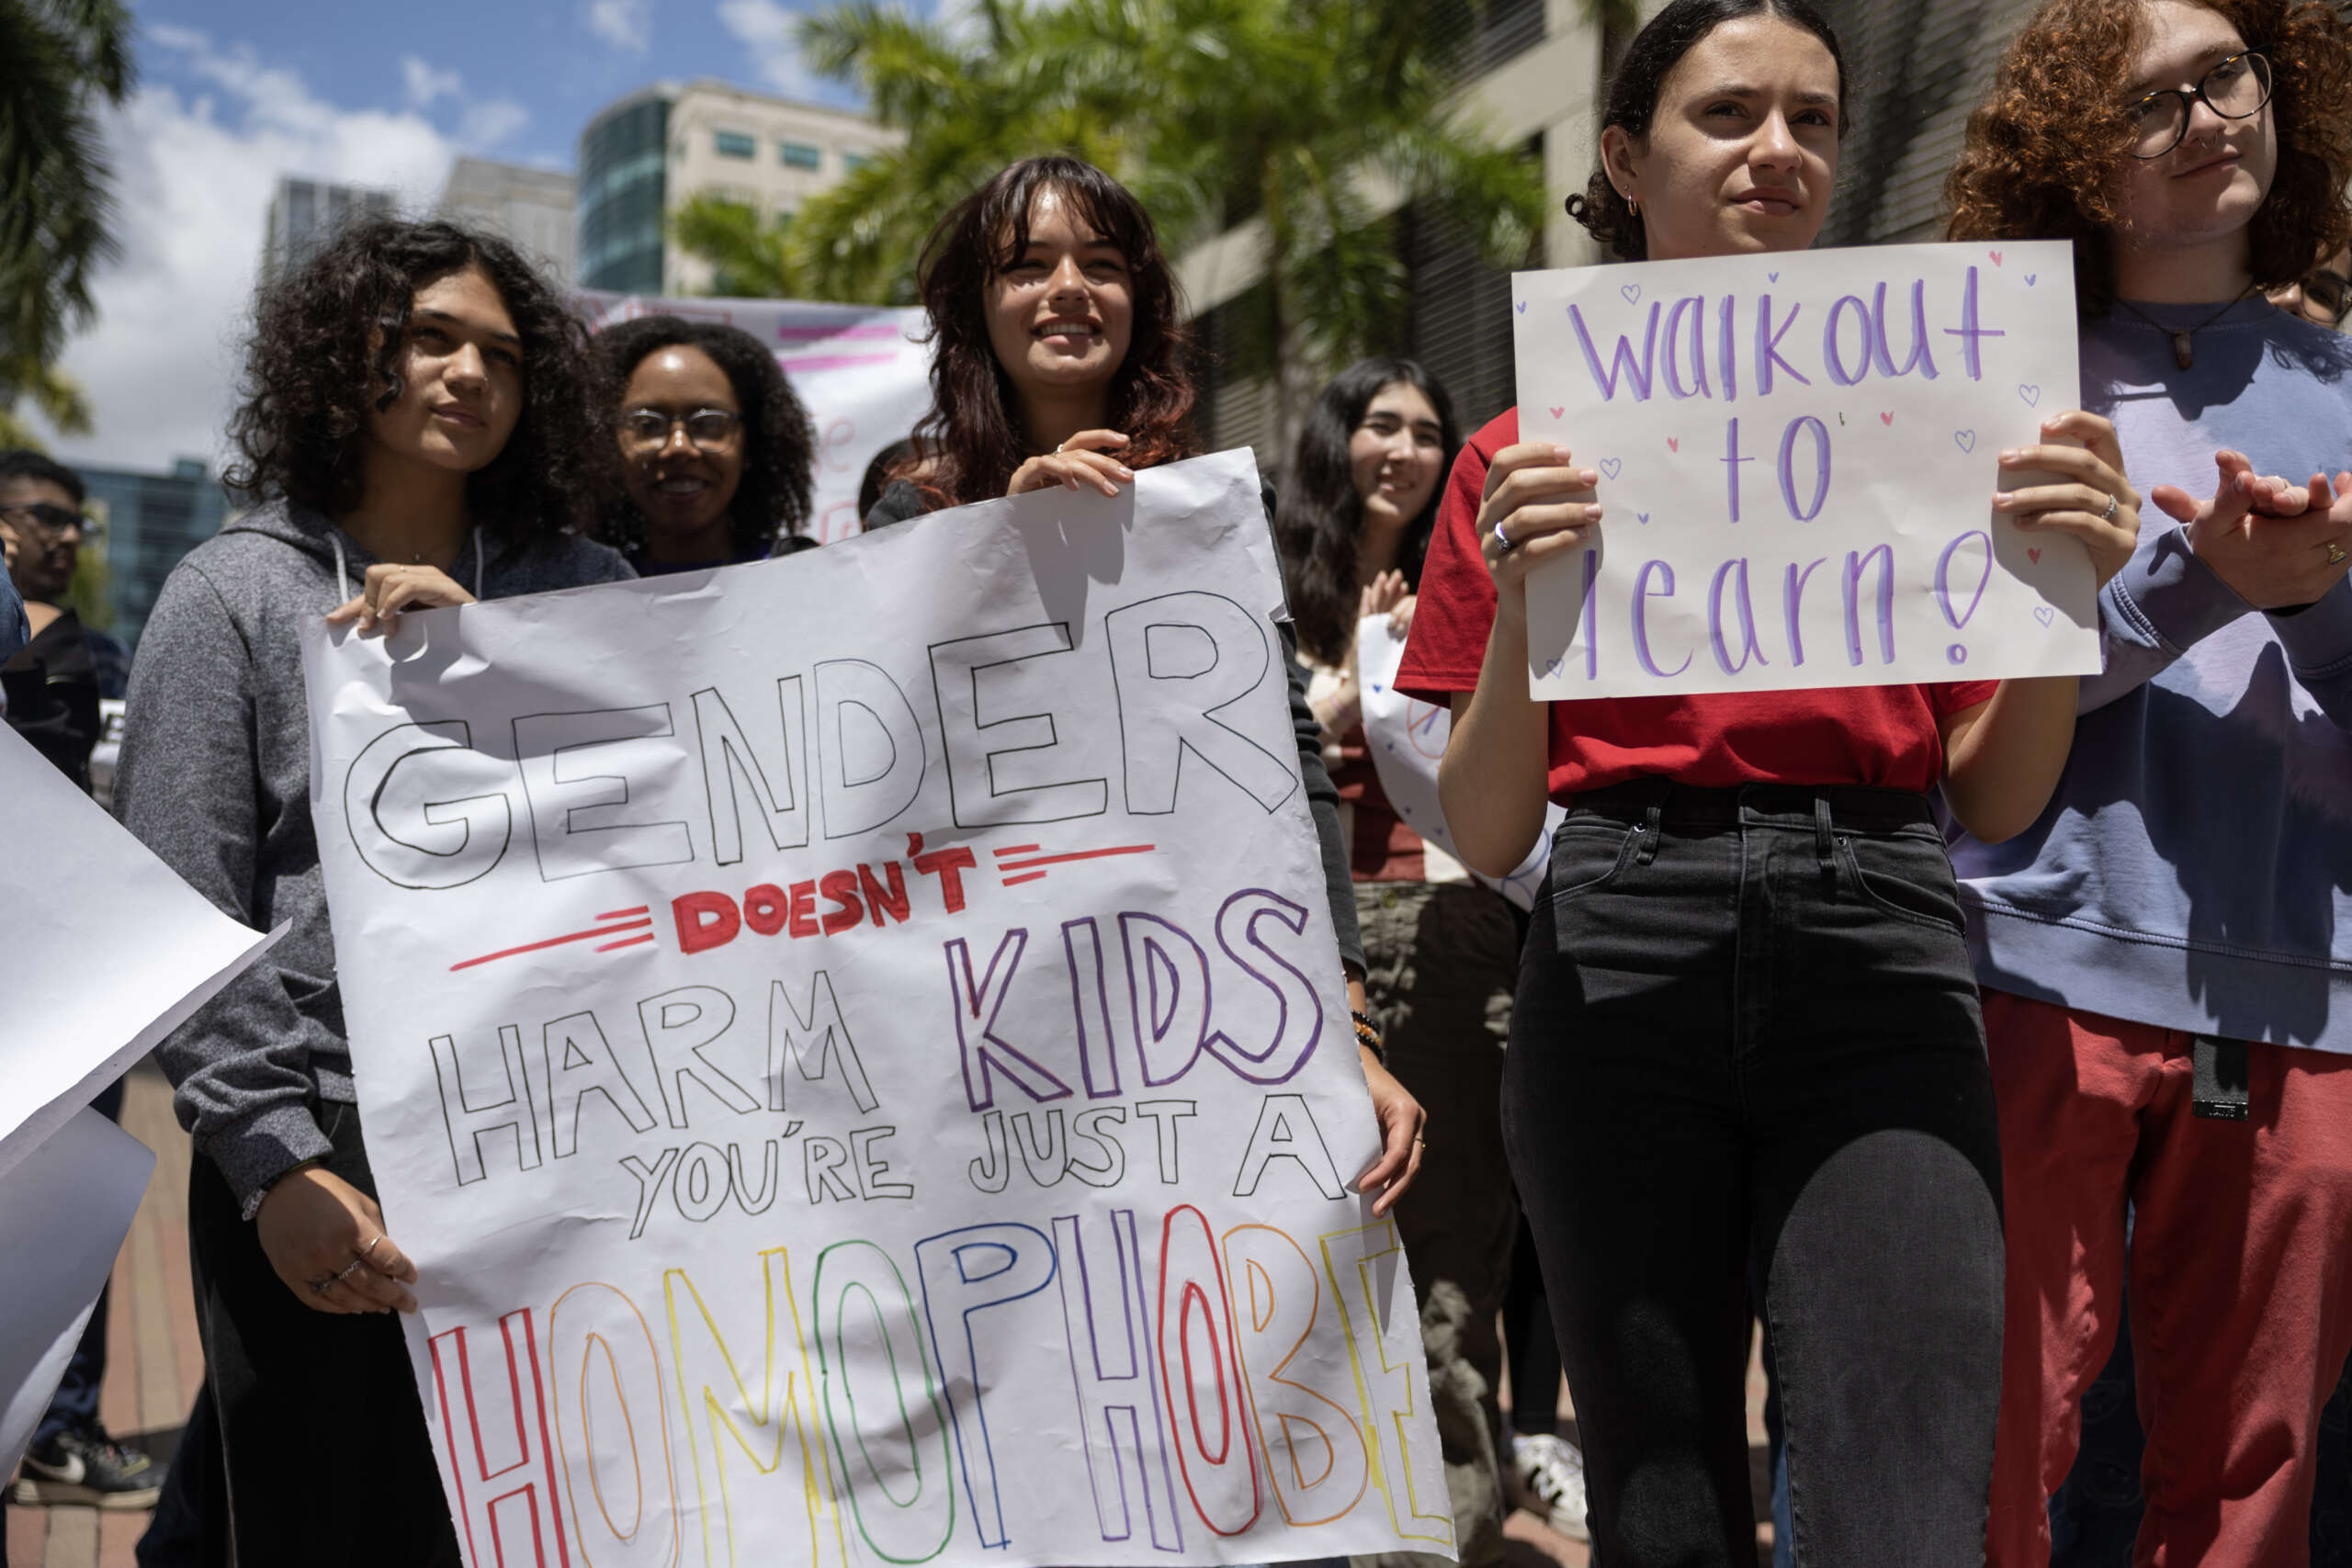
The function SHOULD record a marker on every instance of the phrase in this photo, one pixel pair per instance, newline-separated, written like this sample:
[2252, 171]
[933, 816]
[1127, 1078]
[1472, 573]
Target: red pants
[2241, 1271]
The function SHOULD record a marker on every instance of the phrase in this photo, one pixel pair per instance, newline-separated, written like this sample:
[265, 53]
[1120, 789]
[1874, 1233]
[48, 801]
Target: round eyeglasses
[707, 429]
[2235, 88]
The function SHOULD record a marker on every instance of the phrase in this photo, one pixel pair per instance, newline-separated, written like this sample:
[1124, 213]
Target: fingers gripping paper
[855, 1045]
[1797, 455]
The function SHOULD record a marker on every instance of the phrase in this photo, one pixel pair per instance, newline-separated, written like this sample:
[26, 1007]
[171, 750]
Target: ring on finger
[2335, 554]
[1504, 543]
[367, 1253]
[2113, 501]
[350, 1267]
[325, 1282]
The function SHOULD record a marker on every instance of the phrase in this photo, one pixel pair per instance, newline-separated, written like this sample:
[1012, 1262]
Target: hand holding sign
[1782, 536]
[2097, 505]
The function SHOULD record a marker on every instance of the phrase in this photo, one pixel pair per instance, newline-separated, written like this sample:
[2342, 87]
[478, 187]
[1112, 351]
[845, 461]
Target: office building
[532, 208]
[642, 157]
[152, 520]
[306, 214]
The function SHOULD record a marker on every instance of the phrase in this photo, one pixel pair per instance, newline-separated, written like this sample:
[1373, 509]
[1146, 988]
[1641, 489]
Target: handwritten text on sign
[855, 1044]
[1796, 455]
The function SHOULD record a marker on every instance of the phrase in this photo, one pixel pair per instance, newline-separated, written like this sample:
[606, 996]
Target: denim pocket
[1905, 878]
[1587, 853]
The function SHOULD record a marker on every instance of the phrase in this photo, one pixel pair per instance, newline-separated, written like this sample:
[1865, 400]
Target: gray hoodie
[215, 778]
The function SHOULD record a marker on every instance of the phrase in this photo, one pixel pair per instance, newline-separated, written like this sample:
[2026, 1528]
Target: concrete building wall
[304, 215]
[531, 207]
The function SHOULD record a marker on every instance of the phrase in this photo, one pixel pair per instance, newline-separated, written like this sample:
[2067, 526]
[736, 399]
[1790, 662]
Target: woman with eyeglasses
[2167, 952]
[716, 452]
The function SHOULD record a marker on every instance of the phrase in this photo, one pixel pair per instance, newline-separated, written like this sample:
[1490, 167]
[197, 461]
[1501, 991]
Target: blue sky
[233, 94]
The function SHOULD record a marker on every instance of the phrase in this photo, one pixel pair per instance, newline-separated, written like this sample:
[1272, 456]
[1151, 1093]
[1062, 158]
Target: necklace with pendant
[2183, 352]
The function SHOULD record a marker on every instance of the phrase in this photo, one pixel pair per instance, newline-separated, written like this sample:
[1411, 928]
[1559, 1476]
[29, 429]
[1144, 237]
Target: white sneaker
[1549, 1476]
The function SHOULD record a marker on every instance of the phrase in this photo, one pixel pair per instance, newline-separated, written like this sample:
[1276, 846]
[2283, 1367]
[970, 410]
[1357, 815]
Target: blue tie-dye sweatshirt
[2194, 869]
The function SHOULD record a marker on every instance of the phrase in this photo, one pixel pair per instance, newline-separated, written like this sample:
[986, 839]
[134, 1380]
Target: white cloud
[195, 171]
[424, 84]
[624, 24]
[486, 124]
[767, 29]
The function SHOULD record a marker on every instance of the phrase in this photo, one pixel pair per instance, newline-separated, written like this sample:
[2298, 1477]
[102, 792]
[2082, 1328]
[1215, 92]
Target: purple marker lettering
[1637, 373]
[1695, 307]
[1943, 577]
[1730, 570]
[1792, 607]
[1829, 350]
[1732, 460]
[1641, 618]
[1858, 562]
[1768, 347]
[1920, 358]
[1968, 331]
[1820, 466]
[1727, 350]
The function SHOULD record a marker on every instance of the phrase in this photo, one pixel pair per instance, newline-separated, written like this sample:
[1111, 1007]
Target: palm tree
[61, 57]
[1310, 120]
[749, 258]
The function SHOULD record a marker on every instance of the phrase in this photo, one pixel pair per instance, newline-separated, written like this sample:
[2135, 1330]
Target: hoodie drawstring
[342, 568]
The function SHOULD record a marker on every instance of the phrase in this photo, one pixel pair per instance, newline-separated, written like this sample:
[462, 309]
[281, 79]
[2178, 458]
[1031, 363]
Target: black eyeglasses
[707, 429]
[51, 519]
[2234, 89]
[2327, 290]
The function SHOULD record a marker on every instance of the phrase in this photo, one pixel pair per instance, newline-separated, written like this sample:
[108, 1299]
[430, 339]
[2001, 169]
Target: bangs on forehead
[1109, 218]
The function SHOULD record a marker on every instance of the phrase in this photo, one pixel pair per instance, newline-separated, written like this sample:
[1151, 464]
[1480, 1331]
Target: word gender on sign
[731, 1391]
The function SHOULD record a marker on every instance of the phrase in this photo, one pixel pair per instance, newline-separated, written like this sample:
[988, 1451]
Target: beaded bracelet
[1368, 1036]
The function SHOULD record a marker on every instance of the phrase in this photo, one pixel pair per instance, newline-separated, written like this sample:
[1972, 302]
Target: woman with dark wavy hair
[415, 429]
[716, 451]
[2167, 952]
[1061, 359]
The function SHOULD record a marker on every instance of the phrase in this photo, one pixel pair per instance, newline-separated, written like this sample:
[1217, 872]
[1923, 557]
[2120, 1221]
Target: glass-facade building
[623, 195]
[152, 520]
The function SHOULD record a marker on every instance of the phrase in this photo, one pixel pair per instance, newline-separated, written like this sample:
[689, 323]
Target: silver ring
[1502, 541]
[2109, 516]
[349, 1268]
[367, 1253]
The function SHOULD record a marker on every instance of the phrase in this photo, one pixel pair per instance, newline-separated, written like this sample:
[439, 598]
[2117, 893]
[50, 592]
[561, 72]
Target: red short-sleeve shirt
[1886, 736]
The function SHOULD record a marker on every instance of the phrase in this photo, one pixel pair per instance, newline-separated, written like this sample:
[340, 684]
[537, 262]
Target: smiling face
[1395, 452]
[1061, 314]
[2206, 189]
[681, 485]
[461, 377]
[1742, 147]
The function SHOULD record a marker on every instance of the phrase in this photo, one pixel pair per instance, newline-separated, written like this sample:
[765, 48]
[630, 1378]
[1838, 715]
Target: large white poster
[856, 1047]
[1797, 455]
[862, 371]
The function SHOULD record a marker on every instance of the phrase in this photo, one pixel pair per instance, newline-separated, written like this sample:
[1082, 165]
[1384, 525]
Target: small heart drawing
[2030, 278]
[2043, 613]
[1375, 685]
[1773, 275]
[1557, 412]
[1996, 257]
[1964, 439]
[2031, 394]
[1523, 307]
[1641, 516]
[1887, 419]
[1632, 293]
[1674, 443]
[1609, 466]
[2033, 556]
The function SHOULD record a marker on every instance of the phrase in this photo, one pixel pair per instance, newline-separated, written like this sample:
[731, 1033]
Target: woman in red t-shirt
[1746, 1032]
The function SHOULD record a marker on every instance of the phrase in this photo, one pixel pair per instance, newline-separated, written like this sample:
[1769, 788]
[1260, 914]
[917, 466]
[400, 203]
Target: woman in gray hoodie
[415, 423]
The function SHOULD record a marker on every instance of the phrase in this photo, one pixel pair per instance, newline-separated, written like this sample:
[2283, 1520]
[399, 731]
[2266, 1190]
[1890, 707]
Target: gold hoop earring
[1633, 206]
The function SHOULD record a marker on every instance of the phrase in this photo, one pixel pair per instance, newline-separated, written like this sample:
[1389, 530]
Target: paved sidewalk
[153, 1361]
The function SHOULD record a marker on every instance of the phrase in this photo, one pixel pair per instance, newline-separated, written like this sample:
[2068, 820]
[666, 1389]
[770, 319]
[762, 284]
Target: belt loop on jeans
[1824, 841]
[1650, 833]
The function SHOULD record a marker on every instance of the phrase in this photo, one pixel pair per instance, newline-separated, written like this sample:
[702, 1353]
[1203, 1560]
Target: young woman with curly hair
[1060, 358]
[716, 452]
[2167, 952]
[415, 428]
[1745, 1034]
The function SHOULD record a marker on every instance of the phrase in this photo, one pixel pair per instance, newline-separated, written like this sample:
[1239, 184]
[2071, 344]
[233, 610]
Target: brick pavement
[155, 1364]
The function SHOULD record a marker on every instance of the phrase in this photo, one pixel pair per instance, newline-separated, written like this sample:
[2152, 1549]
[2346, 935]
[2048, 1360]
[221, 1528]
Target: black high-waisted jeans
[1747, 1029]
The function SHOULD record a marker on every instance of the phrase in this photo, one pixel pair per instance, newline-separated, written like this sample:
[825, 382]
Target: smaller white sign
[1408, 737]
[1798, 453]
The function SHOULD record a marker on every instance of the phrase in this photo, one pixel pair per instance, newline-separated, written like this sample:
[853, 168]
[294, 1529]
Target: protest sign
[109, 951]
[861, 370]
[1407, 737]
[68, 1202]
[856, 1047]
[1797, 458]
